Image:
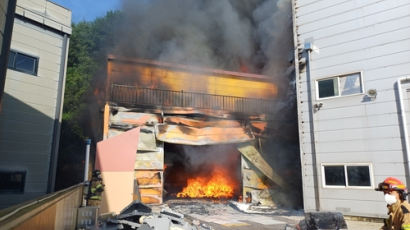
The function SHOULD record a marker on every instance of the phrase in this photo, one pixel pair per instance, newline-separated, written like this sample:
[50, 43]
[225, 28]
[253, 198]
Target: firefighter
[395, 193]
[95, 190]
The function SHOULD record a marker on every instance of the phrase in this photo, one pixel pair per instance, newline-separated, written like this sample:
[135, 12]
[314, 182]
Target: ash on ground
[226, 214]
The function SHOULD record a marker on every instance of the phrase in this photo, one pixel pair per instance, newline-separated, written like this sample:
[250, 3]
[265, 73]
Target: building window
[347, 175]
[335, 175]
[23, 62]
[12, 182]
[341, 85]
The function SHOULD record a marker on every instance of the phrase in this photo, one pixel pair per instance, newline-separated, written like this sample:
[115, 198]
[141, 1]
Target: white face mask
[390, 199]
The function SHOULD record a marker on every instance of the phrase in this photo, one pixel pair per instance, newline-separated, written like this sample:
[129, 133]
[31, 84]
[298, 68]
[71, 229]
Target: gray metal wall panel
[42, 36]
[27, 95]
[359, 207]
[321, 10]
[378, 120]
[29, 105]
[394, 50]
[368, 16]
[45, 7]
[12, 199]
[46, 13]
[31, 137]
[38, 109]
[17, 85]
[359, 145]
[363, 157]
[44, 81]
[27, 124]
[369, 63]
[23, 146]
[368, 36]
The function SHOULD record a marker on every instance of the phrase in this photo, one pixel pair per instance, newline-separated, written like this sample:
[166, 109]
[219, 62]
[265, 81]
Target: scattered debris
[140, 217]
[322, 220]
[225, 214]
[253, 208]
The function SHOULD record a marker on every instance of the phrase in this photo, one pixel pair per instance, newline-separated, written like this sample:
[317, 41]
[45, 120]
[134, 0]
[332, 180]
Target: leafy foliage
[89, 44]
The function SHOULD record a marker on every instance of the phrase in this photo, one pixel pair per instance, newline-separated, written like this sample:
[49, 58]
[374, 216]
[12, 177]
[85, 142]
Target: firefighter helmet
[97, 174]
[391, 183]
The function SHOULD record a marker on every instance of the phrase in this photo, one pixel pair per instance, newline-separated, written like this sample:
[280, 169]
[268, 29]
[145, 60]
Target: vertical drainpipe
[58, 117]
[87, 158]
[307, 53]
[298, 92]
[404, 124]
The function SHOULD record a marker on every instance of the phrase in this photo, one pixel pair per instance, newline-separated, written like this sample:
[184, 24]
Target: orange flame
[218, 185]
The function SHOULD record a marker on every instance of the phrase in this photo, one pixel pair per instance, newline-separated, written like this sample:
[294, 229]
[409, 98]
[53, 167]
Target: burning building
[204, 81]
[200, 130]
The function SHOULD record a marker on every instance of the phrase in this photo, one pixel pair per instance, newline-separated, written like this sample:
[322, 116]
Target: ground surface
[226, 216]
[232, 216]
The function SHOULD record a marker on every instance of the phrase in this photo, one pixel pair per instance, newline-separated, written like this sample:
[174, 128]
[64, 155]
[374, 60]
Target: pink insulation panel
[117, 154]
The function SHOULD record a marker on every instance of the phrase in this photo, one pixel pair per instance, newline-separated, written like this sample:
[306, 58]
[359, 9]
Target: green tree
[90, 43]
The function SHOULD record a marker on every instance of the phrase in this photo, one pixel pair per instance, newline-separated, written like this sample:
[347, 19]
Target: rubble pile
[141, 217]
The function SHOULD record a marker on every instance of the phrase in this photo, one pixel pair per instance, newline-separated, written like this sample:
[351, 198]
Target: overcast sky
[88, 10]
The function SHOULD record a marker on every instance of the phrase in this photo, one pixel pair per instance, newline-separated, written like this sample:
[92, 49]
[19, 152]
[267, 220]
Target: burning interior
[211, 172]
[200, 138]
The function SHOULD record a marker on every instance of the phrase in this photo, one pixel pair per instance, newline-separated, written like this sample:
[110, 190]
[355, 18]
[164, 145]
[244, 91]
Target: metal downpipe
[404, 123]
[312, 131]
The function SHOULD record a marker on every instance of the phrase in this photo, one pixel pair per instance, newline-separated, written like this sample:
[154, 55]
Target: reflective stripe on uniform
[405, 227]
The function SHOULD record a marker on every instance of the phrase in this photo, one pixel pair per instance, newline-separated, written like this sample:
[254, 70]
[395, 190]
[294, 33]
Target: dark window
[12, 182]
[358, 175]
[335, 175]
[328, 88]
[346, 175]
[342, 85]
[23, 62]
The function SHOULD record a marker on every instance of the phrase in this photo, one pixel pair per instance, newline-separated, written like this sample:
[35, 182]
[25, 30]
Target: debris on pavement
[140, 217]
[322, 220]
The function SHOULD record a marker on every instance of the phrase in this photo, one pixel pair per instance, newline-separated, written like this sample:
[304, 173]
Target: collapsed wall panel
[150, 186]
[252, 154]
[115, 159]
[258, 177]
[255, 185]
[149, 170]
[179, 134]
[148, 165]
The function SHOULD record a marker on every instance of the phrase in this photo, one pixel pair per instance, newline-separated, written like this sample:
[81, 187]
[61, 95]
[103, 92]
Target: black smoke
[223, 34]
[229, 35]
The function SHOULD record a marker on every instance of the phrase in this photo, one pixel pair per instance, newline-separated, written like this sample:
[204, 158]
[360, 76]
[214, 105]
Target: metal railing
[134, 96]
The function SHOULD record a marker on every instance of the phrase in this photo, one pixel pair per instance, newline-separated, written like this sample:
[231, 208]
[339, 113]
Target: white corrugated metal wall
[371, 37]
